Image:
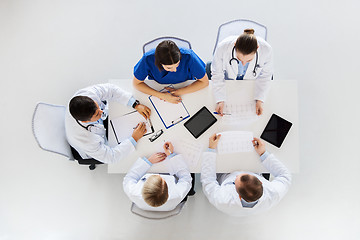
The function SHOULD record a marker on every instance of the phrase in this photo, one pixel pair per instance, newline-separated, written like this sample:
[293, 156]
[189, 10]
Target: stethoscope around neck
[233, 58]
[97, 129]
[86, 127]
[92, 128]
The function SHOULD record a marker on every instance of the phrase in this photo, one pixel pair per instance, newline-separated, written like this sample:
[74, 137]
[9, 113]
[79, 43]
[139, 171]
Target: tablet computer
[200, 122]
[276, 130]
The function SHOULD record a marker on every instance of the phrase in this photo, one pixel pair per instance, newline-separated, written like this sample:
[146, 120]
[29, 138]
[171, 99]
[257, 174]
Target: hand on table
[214, 140]
[168, 97]
[259, 145]
[220, 108]
[143, 110]
[139, 131]
[157, 157]
[175, 92]
[168, 148]
[259, 107]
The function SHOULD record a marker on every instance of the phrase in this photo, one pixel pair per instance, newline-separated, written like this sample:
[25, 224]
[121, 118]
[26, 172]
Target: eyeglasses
[156, 135]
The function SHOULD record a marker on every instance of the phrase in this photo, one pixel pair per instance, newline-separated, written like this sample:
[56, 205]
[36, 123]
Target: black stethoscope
[86, 127]
[256, 61]
[93, 128]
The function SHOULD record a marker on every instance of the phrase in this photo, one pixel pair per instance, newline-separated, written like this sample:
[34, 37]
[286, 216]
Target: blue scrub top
[190, 67]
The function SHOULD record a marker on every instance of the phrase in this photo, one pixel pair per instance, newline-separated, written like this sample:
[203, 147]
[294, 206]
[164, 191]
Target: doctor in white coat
[84, 123]
[244, 193]
[242, 57]
[154, 192]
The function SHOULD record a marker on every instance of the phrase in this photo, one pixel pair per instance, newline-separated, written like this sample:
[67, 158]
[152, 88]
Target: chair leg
[208, 69]
[92, 166]
[266, 176]
[192, 190]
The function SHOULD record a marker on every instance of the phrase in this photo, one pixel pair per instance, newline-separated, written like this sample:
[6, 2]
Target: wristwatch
[136, 103]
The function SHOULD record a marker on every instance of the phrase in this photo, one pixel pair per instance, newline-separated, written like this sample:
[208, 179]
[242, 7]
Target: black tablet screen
[200, 122]
[276, 130]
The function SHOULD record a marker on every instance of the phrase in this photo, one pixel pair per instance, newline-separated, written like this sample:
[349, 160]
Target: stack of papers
[235, 141]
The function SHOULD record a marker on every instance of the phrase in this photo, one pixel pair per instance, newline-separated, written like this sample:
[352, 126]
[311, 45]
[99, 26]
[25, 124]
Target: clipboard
[124, 125]
[169, 113]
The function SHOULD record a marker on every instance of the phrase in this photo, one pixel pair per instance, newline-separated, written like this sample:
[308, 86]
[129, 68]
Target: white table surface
[281, 100]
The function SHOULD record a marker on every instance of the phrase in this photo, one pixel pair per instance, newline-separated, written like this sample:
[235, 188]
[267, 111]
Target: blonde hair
[155, 191]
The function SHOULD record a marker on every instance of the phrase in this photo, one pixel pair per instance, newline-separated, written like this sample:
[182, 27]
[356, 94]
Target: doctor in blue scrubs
[167, 64]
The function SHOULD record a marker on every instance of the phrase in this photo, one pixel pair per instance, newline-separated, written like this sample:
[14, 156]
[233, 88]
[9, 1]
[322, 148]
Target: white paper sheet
[235, 141]
[124, 126]
[241, 113]
[190, 150]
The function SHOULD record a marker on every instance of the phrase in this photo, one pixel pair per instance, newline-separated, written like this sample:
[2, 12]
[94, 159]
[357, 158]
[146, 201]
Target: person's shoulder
[186, 51]
[229, 39]
[263, 43]
[87, 91]
[150, 53]
[187, 54]
[227, 42]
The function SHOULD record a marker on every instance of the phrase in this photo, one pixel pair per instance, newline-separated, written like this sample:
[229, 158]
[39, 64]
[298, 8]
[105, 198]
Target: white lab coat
[177, 190]
[221, 66]
[94, 144]
[225, 198]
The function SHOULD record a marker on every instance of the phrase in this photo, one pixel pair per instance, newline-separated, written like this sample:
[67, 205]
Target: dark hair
[82, 108]
[251, 188]
[166, 53]
[246, 43]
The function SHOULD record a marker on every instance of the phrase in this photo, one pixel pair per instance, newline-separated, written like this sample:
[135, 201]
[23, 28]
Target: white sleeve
[106, 92]
[217, 72]
[208, 176]
[263, 82]
[282, 181]
[181, 170]
[136, 172]
[98, 149]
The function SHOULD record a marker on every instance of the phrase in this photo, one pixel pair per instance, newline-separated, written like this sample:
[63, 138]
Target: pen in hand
[167, 147]
[223, 113]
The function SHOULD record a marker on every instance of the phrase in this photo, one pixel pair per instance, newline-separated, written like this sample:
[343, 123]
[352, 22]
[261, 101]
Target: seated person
[85, 119]
[242, 57]
[167, 64]
[154, 192]
[244, 193]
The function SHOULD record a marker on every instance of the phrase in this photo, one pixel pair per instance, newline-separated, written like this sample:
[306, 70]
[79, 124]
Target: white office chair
[236, 28]
[48, 125]
[178, 41]
[157, 214]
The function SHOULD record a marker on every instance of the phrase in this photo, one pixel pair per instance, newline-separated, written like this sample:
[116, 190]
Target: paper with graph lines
[235, 141]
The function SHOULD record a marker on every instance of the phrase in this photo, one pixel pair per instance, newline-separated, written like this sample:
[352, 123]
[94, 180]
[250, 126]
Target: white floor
[49, 49]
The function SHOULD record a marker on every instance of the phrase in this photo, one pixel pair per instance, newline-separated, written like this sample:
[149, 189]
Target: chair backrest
[156, 214]
[153, 44]
[237, 27]
[48, 125]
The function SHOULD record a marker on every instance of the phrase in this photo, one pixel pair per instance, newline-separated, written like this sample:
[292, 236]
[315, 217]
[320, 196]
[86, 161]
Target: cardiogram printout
[239, 113]
[235, 141]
